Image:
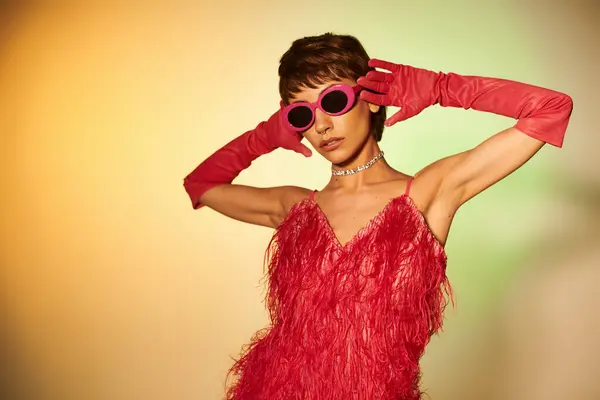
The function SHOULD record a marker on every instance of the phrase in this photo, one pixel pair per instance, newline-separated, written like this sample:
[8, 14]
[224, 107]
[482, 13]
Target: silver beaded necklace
[359, 168]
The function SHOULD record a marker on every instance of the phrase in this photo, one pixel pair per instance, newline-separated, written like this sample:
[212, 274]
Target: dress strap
[408, 186]
[312, 195]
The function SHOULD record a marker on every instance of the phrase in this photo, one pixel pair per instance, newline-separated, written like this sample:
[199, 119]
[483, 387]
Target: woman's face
[352, 128]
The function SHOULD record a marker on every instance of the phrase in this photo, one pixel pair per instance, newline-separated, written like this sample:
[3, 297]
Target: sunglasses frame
[350, 91]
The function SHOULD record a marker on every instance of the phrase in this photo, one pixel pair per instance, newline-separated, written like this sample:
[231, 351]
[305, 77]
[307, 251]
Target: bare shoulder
[290, 195]
[293, 195]
[431, 196]
[429, 185]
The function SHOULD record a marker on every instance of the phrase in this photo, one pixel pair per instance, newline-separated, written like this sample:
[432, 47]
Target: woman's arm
[453, 180]
[446, 184]
[543, 116]
[210, 182]
[464, 175]
[258, 206]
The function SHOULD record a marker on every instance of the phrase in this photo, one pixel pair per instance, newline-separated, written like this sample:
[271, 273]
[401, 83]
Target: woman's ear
[373, 107]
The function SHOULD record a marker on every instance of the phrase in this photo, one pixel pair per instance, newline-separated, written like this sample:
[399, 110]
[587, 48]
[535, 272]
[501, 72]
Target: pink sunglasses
[335, 100]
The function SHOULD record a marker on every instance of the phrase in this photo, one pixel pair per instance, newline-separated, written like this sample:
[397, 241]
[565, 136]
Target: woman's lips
[332, 144]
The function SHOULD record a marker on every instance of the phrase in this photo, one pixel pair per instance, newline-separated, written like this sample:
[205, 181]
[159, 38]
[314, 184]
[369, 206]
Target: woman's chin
[338, 157]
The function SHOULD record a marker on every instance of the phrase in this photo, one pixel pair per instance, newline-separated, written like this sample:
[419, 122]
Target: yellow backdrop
[113, 288]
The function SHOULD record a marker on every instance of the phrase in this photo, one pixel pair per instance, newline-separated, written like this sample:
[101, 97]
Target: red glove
[542, 113]
[225, 164]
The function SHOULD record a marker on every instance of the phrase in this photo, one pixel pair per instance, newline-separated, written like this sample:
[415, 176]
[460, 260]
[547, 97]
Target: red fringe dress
[347, 321]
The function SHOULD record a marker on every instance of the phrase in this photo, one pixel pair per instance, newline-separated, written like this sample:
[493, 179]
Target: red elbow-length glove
[223, 166]
[541, 113]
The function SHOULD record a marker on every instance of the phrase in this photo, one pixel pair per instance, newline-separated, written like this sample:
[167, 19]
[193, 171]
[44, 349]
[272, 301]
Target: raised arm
[542, 114]
[210, 183]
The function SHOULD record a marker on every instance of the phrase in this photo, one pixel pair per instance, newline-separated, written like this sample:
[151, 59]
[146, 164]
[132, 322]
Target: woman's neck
[379, 170]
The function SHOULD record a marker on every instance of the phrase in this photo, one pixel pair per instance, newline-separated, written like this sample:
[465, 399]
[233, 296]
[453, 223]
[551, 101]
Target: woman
[357, 281]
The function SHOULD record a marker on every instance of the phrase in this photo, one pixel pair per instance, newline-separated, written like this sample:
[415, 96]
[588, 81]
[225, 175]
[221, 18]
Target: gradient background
[113, 288]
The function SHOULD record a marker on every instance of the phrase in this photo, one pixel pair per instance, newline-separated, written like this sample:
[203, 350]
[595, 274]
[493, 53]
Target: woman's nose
[322, 121]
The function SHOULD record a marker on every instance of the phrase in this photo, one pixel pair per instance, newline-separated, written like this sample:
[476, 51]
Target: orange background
[112, 287]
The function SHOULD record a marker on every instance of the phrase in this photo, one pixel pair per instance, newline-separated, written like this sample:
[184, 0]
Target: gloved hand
[225, 164]
[542, 113]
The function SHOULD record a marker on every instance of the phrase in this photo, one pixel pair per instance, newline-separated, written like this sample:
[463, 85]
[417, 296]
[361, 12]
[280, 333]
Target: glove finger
[398, 116]
[405, 113]
[376, 63]
[292, 141]
[302, 149]
[380, 76]
[379, 99]
[380, 87]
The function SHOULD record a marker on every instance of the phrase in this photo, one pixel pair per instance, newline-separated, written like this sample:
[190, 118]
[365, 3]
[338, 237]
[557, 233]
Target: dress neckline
[365, 229]
[375, 220]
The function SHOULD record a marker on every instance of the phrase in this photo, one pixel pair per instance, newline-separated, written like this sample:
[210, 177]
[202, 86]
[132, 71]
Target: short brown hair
[314, 60]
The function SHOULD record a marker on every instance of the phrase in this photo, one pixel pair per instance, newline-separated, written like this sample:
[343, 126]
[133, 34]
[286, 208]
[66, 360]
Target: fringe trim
[347, 321]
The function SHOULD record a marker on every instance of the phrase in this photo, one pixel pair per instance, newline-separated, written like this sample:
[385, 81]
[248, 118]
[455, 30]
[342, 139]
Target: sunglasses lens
[334, 102]
[300, 117]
